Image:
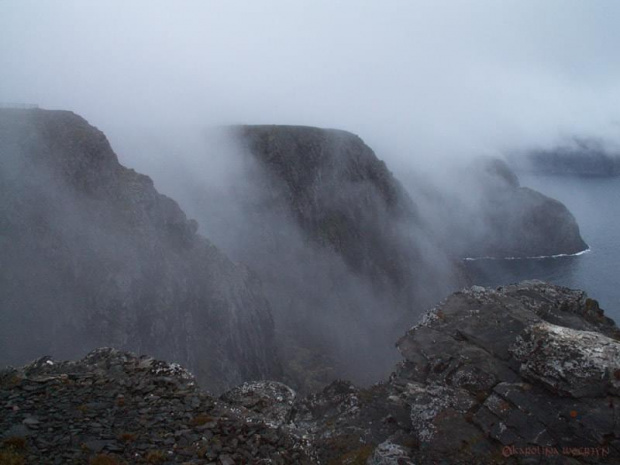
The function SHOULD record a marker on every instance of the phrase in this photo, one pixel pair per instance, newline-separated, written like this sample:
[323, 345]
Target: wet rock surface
[524, 374]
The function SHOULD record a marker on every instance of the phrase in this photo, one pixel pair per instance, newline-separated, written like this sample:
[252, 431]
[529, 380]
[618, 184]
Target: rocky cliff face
[343, 197]
[346, 200]
[365, 263]
[521, 222]
[344, 250]
[527, 373]
[91, 254]
[486, 213]
[114, 408]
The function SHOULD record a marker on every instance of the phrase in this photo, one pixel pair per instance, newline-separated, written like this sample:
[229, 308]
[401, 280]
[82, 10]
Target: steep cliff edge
[345, 236]
[483, 211]
[519, 221]
[527, 373]
[343, 197]
[347, 255]
[91, 254]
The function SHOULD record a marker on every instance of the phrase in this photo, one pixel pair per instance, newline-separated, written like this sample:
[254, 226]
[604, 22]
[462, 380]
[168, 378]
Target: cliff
[346, 200]
[483, 211]
[575, 157]
[519, 221]
[346, 254]
[520, 374]
[345, 236]
[91, 254]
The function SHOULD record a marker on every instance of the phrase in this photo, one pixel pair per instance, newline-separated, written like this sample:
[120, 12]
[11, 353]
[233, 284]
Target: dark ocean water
[595, 202]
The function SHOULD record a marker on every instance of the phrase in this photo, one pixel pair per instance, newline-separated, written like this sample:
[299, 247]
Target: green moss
[104, 459]
[14, 443]
[11, 457]
[355, 457]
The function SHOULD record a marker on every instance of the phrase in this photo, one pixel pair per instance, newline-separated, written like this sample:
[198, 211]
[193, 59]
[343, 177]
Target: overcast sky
[425, 77]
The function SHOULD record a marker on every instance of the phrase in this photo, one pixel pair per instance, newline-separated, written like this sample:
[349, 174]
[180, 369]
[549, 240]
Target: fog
[429, 85]
[417, 79]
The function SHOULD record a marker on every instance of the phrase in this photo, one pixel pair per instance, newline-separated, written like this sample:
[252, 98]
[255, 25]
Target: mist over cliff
[91, 254]
[274, 193]
[348, 255]
[428, 87]
[422, 81]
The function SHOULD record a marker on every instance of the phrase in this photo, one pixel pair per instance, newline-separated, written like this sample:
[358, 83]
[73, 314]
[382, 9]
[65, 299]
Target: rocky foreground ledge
[528, 373]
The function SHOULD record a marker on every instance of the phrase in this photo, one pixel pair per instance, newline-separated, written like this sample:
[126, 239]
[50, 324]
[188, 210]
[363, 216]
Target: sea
[595, 203]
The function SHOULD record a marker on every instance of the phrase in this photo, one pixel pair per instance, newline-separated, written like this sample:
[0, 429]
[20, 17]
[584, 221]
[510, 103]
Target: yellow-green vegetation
[355, 457]
[369, 394]
[11, 451]
[11, 457]
[105, 459]
[127, 437]
[15, 443]
[155, 456]
[15, 380]
[591, 304]
[200, 420]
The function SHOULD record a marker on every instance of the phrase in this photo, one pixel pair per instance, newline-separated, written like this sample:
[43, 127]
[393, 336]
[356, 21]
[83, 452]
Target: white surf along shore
[540, 257]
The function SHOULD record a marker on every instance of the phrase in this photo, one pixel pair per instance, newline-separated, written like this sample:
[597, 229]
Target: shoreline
[540, 257]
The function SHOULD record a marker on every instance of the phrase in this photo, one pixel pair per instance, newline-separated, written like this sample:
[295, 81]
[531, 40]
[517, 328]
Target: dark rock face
[342, 196]
[91, 254]
[489, 375]
[344, 236]
[527, 373]
[577, 157]
[497, 218]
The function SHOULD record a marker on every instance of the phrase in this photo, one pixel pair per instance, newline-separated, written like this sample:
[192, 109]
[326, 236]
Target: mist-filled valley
[260, 232]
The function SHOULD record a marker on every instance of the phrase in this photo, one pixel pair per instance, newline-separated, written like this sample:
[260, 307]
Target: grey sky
[420, 77]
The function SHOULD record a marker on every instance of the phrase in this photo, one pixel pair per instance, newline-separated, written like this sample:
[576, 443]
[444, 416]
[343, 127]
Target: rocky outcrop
[497, 218]
[527, 373]
[575, 157]
[114, 408]
[91, 255]
[521, 222]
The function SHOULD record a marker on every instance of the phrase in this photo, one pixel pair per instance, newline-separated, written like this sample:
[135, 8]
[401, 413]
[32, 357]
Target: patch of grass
[155, 456]
[15, 380]
[104, 459]
[127, 437]
[15, 443]
[200, 420]
[11, 457]
[355, 457]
